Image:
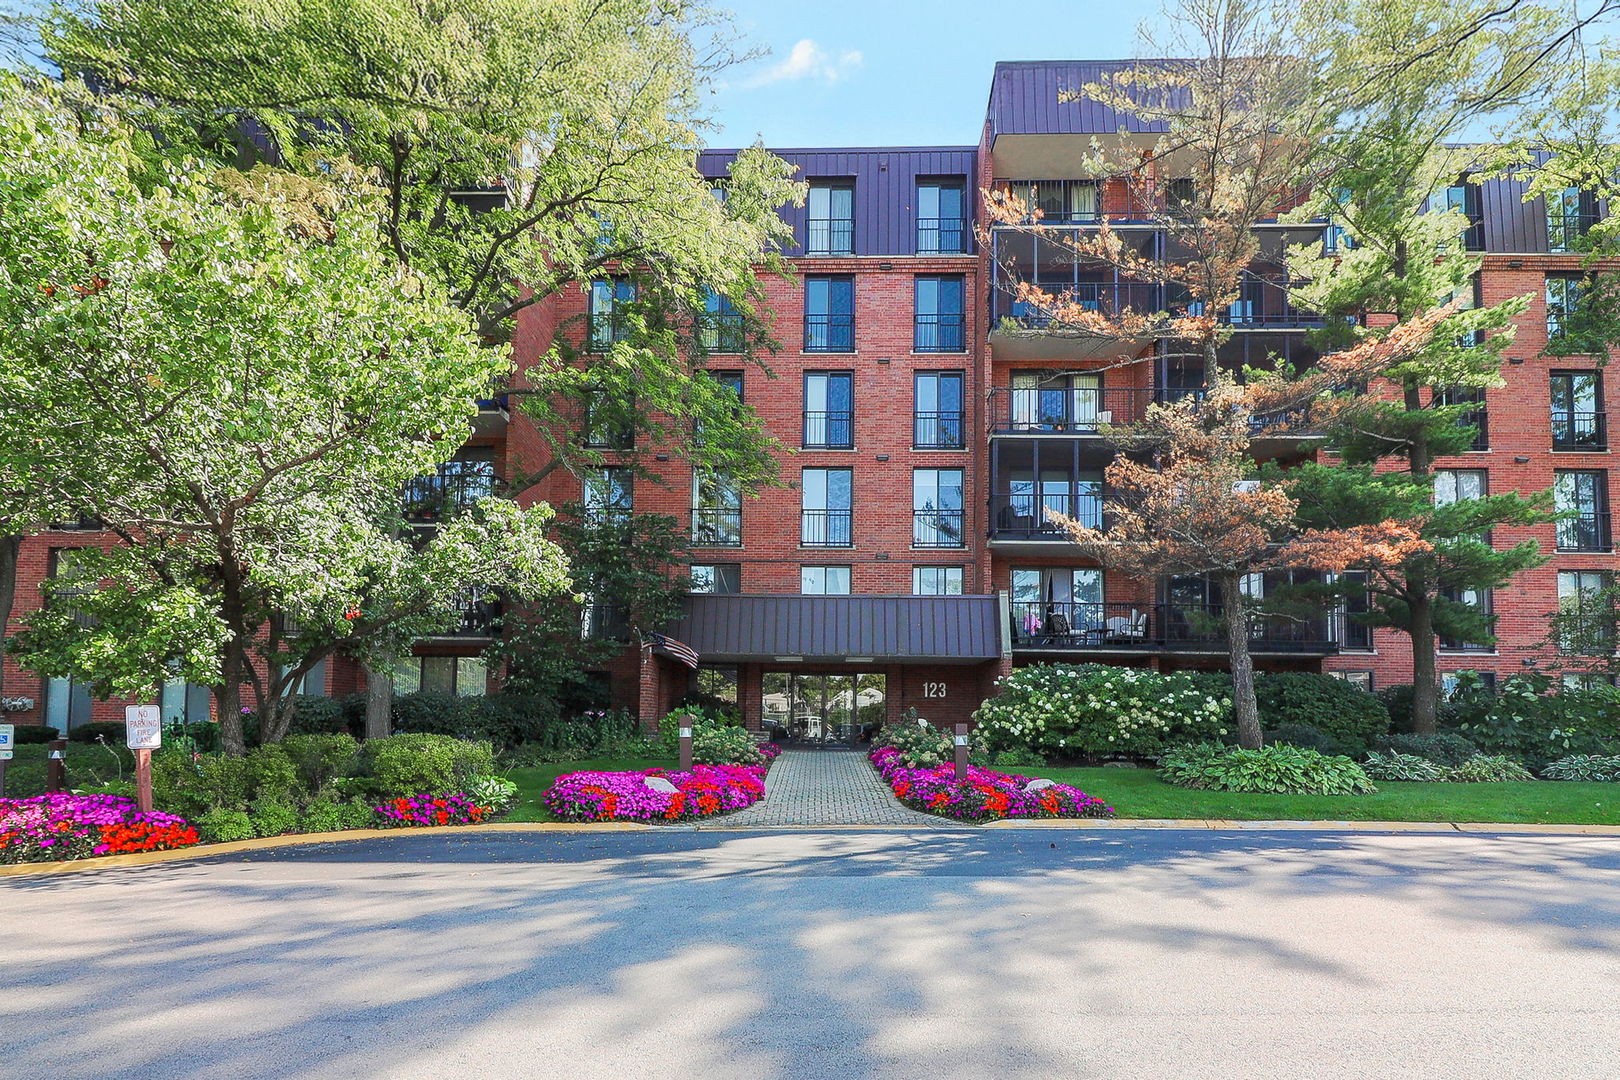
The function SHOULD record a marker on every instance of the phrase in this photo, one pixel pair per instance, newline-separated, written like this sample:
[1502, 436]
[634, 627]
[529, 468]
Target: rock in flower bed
[984, 795]
[657, 794]
[48, 828]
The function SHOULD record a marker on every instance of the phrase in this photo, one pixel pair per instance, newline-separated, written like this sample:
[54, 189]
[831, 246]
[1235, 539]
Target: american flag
[680, 650]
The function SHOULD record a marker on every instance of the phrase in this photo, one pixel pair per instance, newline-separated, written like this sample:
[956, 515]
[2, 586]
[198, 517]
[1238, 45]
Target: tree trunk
[228, 696]
[1237, 647]
[10, 551]
[379, 703]
[1425, 684]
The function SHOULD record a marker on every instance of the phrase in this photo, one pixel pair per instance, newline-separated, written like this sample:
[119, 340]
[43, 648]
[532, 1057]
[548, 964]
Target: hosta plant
[1398, 766]
[1602, 768]
[1273, 770]
[1490, 770]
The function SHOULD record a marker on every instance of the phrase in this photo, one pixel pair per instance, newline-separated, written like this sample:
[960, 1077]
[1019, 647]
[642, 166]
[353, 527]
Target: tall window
[826, 515]
[731, 380]
[1475, 417]
[463, 676]
[1479, 599]
[608, 423]
[1462, 198]
[829, 313]
[716, 510]
[453, 486]
[936, 507]
[608, 494]
[717, 577]
[1585, 612]
[936, 581]
[1584, 495]
[193, 702]
[940, 226]
[1563, 298]
[1577, 411]
[609, 297]
[937, 414]
[1570, 214]
[720, 326]
[824, 580]
[830, 223]
[938, 318]
[829, 410]
[1353, 634]
[1180, 194]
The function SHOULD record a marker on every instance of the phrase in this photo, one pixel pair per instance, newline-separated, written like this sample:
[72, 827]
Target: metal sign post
[8, 734]
[961, 741]
[143, 733]
[686, 749]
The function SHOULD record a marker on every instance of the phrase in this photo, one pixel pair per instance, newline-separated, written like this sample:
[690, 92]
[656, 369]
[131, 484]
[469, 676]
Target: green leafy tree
[1411, 81]
[246, 388]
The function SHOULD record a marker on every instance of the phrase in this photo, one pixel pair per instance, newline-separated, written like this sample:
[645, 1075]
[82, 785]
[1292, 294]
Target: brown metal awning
[893, 629]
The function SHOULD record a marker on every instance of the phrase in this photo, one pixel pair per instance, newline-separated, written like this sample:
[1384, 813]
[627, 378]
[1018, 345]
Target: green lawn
[86, 764]
[1139, 793]
[533, 782]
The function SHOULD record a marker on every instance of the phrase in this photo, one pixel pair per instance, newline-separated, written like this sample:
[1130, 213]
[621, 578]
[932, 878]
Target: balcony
[480, 618]
[829, 333]
[494, 414]
[1112, 627]
[1064, 410]
[441, 495]
[1022, 516]
[941, 236]
[717, 527]
[1580, 431]
[939, 333]
[938, 430]
[1587, 531]
[826, 528]
[829, 236]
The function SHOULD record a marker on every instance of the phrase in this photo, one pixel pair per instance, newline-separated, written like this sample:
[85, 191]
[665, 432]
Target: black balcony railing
[1566, 231]
[479, 618]
[606, 329]
[941, 236]
[442, 495]
[1109, 299]
[605, 622]
[829, 236]
[937, 528]
[829, 333]
[1587, 531]
[1161, 627]
[1262, 303]
[826, 528]
[829, 430]
[1065, 410]
[939, 333]
[937, 430]
[1579, 430]
[1024, 515]
[722, 333]
[717, 527]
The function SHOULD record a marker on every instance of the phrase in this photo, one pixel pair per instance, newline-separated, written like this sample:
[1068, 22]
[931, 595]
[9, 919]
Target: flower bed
[625, 796]
[47, 828]
[420, 810]
[984, 795]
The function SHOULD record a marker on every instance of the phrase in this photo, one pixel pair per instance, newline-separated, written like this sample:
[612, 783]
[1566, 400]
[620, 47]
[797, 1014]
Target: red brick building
[908, 562]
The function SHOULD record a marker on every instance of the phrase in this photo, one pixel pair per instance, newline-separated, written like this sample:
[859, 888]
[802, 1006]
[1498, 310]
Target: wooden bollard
[56, 765]
[685, 732]
[961, 741]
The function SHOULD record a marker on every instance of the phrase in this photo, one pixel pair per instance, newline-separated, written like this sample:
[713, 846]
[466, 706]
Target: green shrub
[1471, 698]
[492, 792]
[1018, 759]
[1490, 770]
[30, 734]
[1600, 768]
[1334, 707]
[1397, 766]
[1536, 719]
[1308, 737]
[192, 789]
[1275, 770]
[356, 814]
[221, 826]
[420, 764]
[921, 744]
[320, 760]
[273, 776]
[1443, 748]
[1067, 710]
[322, 815]
[715, 741]
[272, 818]
[111, 730]
[315, 714]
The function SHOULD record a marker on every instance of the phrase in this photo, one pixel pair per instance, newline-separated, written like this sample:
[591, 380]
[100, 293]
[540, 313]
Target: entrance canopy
[878, 629]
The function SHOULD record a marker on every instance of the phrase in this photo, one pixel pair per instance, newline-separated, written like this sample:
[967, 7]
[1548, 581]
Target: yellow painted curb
[1305, 826]
[145, 858]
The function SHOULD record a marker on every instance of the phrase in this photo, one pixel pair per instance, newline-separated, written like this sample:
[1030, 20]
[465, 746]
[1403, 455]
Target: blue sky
[896, 72]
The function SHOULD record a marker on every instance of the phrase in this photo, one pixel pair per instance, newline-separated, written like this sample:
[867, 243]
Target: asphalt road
[993, 954]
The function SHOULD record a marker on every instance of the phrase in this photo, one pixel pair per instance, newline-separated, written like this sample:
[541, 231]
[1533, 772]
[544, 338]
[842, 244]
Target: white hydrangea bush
[1074, 710]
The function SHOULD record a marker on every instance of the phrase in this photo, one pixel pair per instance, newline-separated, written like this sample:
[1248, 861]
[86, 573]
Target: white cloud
[807, 60]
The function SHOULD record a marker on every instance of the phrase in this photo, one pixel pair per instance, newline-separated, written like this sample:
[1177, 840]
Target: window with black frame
[1586, 612]
[453, 487]
[716, 578]
[941, 223]
[716, 510]
[826, 514]
[829, 410]
[939, 314]
[938, 415]
[608, 323]
[937, 516]
[608, 494]
[1563, 301]
[1477, 416]
[830, 218]
[1582, 495]
[609, 422]
[829, 313]
[1480, 600]
[1578, 422]
[722, 327]
[1571, 213]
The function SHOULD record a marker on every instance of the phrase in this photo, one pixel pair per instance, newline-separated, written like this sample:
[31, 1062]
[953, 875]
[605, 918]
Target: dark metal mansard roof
[932, 629]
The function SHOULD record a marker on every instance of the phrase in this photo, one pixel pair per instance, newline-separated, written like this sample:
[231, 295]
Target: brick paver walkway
[826, 787]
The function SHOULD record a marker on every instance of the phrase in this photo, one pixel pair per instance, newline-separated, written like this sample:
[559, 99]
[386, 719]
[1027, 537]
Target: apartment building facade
[908, 561]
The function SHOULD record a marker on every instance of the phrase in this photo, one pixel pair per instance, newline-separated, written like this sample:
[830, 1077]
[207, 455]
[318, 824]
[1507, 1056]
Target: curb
[1529, 827]
[203, 851]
